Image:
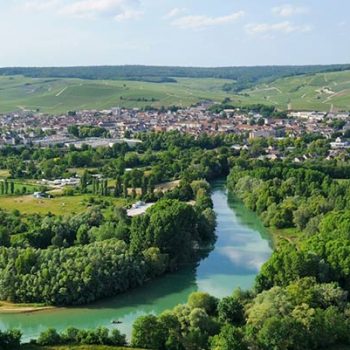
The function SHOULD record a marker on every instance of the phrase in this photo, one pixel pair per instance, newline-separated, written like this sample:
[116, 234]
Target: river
[243, 245]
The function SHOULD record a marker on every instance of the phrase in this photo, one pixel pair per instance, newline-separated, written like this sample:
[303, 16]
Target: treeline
[243, 75]
[309, 200]
[286, 195]
[324, 255]
[77, 260]
[266, 111]
[302, 315]
[11, 340]
[8, 187]
[177, 153]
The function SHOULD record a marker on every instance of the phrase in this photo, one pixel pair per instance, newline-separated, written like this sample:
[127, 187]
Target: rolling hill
[56, 95]
[316, 91]
[319, 91]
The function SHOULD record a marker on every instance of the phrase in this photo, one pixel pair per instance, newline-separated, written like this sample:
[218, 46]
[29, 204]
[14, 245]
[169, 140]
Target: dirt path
[62, 91]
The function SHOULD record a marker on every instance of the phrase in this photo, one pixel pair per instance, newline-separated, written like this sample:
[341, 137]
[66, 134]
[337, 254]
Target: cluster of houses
[38, 129]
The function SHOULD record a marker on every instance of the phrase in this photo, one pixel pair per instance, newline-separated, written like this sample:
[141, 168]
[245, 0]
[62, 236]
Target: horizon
[178, 66]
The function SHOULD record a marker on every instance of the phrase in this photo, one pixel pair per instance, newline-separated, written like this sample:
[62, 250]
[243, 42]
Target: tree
[12, 187]
[116, 338]
[157, 263]
[83, 234]
[5, 240]
[49, 337]
[282, 333]
[229, 338]
[148, 333]
[84, 181]
[10, 340]
[73, 130]
[230, 310]
[169, 225]
[203, 301]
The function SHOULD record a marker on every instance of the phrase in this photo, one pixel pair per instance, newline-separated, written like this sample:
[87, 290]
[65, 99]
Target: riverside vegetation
[300, 299]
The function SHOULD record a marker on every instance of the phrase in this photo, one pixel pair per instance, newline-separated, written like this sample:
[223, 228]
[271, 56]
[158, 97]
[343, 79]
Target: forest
[100, 252]
[300, 298]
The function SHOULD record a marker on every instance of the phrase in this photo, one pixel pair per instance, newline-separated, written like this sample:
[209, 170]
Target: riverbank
[242, 246]
[12, 308]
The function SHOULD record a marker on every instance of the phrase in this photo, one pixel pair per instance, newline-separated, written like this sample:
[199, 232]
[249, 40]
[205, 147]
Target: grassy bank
[280, 236]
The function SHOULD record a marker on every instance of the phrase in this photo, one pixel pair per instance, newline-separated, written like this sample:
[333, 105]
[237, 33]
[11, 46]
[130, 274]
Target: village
[37, 129]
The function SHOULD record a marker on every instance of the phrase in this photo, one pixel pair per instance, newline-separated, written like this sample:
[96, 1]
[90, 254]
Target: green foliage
[87, 131]
[49, 337]
[10, 340]
[203, 301]
[231, 310]
[169, 225]
[148, 333]
[229, 338]
[73, 336]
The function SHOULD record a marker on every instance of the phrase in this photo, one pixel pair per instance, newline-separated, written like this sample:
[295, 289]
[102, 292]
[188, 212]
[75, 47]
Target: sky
[208, 33]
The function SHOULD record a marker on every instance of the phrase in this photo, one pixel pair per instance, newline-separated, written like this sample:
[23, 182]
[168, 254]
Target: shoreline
[12, 308]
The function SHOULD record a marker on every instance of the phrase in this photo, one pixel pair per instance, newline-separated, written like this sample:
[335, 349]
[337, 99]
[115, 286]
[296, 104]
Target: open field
[61, 95]
[57, 95]
[319, 91]
[4, 173]
[58, 205]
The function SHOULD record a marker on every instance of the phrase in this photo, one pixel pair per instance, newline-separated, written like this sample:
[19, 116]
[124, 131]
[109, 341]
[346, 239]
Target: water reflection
[242, 246]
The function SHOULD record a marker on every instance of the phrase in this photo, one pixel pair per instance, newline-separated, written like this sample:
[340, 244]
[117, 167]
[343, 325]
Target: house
[339, 144]
[261, 133]
[41, 195]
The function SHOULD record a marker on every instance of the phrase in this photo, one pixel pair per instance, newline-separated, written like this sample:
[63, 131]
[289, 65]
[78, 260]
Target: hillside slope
[61, 95]
[319, 91]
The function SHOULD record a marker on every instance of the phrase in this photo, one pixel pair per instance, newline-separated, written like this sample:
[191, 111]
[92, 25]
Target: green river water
[243, 245]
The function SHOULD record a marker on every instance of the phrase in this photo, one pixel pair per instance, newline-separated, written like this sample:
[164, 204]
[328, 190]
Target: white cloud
[175, 12]
[200, 22]
[93, 8]
[120, 10]
[288, 10]
[282, 27]
[128, 15]
[39, 5]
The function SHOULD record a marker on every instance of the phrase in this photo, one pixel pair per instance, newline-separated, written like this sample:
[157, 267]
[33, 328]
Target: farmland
[319, 91]
[59, 95]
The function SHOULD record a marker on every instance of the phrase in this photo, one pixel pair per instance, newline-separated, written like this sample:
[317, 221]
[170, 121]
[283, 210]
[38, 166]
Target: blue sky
[169, 32]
